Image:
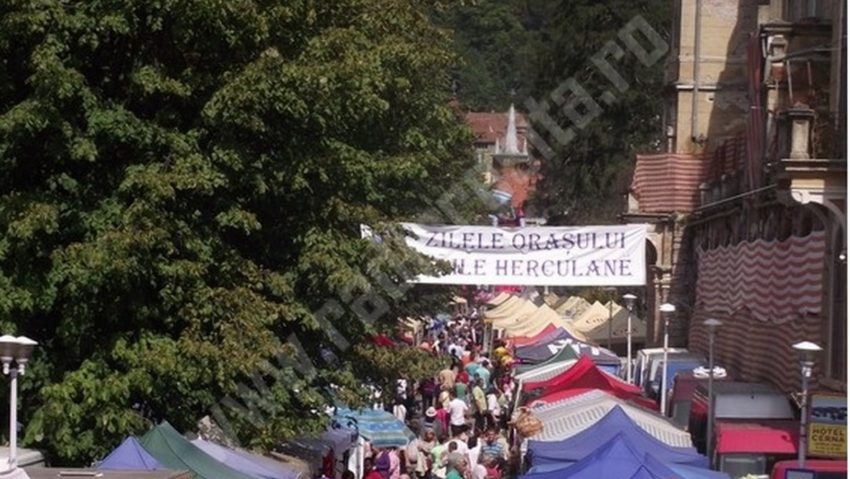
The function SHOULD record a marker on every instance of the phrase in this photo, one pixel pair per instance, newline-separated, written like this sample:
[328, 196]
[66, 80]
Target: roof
[619, 326]
[585, 374]
[668, 182]
[174, 451]
[616, 458]
[573, 306]
[498, 299]
[569, 416]
[130, 456]
[54, 472]
[488, 127]
[769, 437]
[545, 351]
[545, 371]
[243, 461]
[615, 423]
[542, 336]
[595, 315]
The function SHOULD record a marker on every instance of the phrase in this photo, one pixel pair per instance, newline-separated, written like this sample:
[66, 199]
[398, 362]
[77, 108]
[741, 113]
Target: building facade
[747, 204]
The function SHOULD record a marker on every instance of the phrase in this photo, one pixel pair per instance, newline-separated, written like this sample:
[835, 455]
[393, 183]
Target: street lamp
[610, 292]
[667, 310]
[712, 325]
[807, 352]
[14, 355]
[630, 305]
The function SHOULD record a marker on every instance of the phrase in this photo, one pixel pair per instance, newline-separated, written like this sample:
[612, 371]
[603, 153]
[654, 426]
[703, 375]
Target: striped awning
[569, 416]
[768, 294]
[668, 182]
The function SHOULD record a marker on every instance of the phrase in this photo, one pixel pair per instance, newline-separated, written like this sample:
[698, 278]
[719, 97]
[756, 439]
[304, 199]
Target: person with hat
[433, 423]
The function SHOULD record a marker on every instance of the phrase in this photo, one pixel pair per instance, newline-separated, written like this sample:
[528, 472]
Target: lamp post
[712, 325]
[14, 355]
[629, 299]
[667, 310]
[807, 352]
[610, 292]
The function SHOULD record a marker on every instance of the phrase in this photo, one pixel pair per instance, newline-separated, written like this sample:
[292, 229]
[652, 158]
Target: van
[642, 360]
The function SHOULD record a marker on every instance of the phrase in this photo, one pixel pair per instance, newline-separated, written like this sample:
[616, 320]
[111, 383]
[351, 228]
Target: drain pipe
[695, 97]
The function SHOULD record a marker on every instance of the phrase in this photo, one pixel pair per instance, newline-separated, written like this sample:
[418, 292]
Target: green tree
[587, 176]
[183, 183]
[499, 41]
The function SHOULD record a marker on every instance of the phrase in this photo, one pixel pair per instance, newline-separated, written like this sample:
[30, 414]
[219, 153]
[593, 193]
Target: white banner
[535, 255]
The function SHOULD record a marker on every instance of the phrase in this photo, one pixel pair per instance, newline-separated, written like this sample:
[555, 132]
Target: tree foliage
[530, 47]
[588, 176]
[183, 183]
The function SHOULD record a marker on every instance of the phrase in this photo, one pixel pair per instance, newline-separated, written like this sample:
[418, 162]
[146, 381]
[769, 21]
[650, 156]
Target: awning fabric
[615, 422]
[616, 458]
[570, 415]
[379, 427]
[246, 462]
[767, 437]
[565, 354]
[171, 449]
[130, 456]
[542, 351]
[586, 375]
[538, 338]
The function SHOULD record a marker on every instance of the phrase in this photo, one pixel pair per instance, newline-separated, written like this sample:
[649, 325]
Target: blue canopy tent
[247, 463]
[682, 472]
[614, 424]
[379, 427]
[130, 456]
[617, 458]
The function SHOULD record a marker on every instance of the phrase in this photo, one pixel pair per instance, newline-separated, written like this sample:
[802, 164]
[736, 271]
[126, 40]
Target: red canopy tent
[526, 340]
[585, 375]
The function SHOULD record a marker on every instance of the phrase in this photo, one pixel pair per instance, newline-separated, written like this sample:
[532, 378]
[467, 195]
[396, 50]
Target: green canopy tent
[565, 354]
[174, 451]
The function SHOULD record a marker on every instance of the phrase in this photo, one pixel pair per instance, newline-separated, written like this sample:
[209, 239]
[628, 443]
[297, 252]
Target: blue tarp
[615, 459]
[614, 424]
[379, 427]
[246, 462]
[682, 472]
[130, 456]
[539, 352]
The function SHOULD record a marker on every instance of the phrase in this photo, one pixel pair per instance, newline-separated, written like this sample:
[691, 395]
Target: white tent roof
[537, 322]
[619, 327]
[573, 307]
[498, 299]
[593, 317]
[545, 373]
[519, 310]
[552, 299]
[568, 417]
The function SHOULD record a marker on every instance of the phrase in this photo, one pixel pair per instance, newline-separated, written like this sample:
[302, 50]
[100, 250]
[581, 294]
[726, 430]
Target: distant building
[747, 202]
[502, 153]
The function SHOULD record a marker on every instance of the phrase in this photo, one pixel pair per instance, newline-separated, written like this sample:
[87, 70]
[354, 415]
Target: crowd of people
[459, 416]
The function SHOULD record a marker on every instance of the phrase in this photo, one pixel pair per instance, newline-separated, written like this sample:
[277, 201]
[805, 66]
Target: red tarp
[765, 437]
[526, 340]
[585, 375]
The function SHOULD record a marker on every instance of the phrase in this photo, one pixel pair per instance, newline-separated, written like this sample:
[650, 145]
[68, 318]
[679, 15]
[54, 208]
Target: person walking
[458, 412]
[479, 402]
